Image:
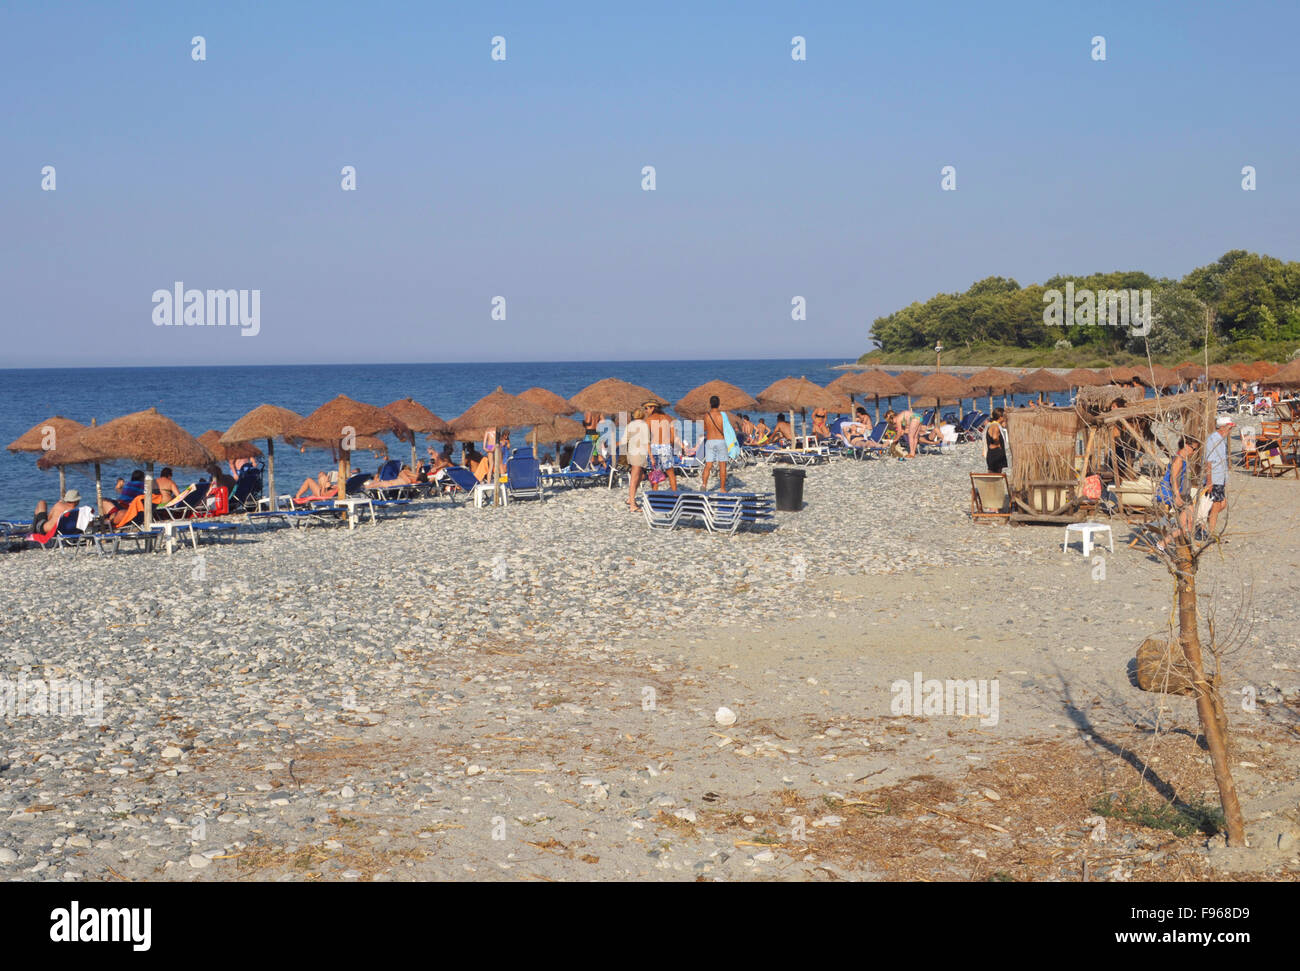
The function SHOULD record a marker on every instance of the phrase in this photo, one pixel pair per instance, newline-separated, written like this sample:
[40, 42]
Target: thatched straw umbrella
[992, 381]
[147, 437]
[418, 418]
[72, 452]
[333, 421]
[1221, 372]
[1188, 371]
[1287, 376]
[612, 396]
[211, 440]
[941, 386]
[1042, 382]
[499, 410]
[1265, 368]
[269, 422]
[695, 404]
[552, 402]
[874, 382]
[800, 394]
[1122, 375]
[556, 429]
[1158, 376]
[45, 437]
[1243, 371]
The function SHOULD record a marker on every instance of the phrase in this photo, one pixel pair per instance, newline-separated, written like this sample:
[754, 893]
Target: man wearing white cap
[1216, 468]
[43, 517]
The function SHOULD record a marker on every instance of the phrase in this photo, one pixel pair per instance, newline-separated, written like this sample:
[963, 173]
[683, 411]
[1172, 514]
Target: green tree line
[1251, 303]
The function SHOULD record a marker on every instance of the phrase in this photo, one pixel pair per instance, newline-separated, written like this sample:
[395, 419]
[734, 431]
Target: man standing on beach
[1216, 469]
[715, 446]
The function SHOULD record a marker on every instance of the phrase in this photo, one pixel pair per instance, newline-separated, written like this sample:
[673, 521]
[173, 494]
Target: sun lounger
[715, 511]
[990, 497]
[580, 470]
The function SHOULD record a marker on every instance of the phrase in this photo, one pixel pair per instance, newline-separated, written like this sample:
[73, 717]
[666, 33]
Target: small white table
[483, 495]
[1087, 531]
[352, 503]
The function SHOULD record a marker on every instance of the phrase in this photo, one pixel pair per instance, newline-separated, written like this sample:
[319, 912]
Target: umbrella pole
[345, 462]
[99, 493]
[148, 496]
[270, 471]
[63, 483]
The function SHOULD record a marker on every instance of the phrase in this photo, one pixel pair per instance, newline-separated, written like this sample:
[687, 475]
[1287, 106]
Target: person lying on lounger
[405, 477]
[783, 434]
[46, 519]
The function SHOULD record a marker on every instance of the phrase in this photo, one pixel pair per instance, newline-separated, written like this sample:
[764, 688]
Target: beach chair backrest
[462, 477]
[389, 470]
[355, 484]
[992, 492]
[523, 452]
[68, 524]
[523, 473]
[247, 487]
[581, 460]
[878, 431]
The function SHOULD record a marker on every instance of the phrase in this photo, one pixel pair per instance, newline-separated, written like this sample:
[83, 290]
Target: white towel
[84, 515]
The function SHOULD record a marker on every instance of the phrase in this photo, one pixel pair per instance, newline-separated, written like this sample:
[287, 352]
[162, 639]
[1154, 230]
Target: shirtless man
[783, 431]
[46, 520]
[663, 439]
[715, 446]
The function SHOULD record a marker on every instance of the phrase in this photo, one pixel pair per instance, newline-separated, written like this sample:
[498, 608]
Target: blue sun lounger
[715, 511]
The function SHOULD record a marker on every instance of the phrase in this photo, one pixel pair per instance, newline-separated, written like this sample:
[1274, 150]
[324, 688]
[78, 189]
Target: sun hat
[72, 495]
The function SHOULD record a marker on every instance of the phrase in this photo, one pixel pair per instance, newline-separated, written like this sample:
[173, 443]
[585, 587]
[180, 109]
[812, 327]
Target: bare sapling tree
[1148, 437]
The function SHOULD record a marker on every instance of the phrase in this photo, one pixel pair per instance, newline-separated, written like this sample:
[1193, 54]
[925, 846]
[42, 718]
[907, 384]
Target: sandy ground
[515, 758]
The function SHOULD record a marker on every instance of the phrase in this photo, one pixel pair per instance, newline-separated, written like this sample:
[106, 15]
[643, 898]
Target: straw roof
[991, 381]
[1158, 376]
[557, 429]
[1082, 377]
[1041, 381]
[695, 404]
[35, 440]
[1243, 371]
[876, 383]
[1264, 368]
[909, 378]
[364, 443]
[549, 400]
[146, 436]
[1189, 371]
[72, 452]
[942, 386]
[1287, 376]
[1043, 443]
[497, 410]
[800, 394]
[418, 418]
[612, 395]
[264, 421]
[1100, 397]
[211, 440]
[1122, 375]
[328, 422]
[1221, 372]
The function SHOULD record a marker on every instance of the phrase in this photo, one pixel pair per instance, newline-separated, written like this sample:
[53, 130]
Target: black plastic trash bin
[789, 489]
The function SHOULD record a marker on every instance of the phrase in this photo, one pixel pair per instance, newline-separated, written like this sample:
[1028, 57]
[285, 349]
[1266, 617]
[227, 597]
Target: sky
[522, 178]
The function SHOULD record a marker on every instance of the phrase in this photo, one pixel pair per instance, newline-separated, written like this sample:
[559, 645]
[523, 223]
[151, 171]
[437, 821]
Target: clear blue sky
[522, 178]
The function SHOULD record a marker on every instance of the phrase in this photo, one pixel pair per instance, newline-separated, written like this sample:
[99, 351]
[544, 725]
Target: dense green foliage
[1251, 304]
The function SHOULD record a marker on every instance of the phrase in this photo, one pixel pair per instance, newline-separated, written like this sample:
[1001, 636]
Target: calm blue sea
[199, 398]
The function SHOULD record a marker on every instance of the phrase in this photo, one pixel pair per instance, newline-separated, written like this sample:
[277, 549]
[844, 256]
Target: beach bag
[1203, 509]
[1092, 488]
[655, 475]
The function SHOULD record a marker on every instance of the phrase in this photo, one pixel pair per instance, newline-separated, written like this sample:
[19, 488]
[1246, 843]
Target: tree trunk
[1208, 704]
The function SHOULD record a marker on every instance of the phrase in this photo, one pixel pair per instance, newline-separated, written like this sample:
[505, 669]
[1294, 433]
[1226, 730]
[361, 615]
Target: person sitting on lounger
[819, 428]
[324, 486]
[166, 486]
[46, 519]
[782, 433]
[761, 434]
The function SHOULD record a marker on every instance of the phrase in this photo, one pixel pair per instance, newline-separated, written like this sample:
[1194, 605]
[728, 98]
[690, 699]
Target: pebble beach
[553, 691]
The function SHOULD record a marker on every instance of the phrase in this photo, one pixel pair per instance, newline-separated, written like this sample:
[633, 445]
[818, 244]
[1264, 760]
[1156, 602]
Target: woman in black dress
[995, 443]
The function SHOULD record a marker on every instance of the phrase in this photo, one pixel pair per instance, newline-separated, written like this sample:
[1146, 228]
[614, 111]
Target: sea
[199, 398]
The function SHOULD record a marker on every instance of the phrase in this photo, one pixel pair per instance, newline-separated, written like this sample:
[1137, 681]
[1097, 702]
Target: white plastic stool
[1087, 531]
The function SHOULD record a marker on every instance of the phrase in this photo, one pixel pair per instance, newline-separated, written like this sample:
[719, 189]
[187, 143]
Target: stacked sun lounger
[724, 512]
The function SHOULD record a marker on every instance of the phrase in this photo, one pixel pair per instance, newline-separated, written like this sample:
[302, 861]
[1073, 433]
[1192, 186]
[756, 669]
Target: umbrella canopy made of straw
[47, 437]
[1082, 377]
[211, 440]
[991, 381]
[146, 437]
[1042, 381]
[695, 403]
[941, 387]
[1288, 376]
[1264, 368]
[269, 422]
[339, 418]
[556, 429]
[1221, 372]
[613, 395]
[1122, 375]
[552, 402]
[799, 394]
[418, 418]
[875, 382]
[1189, 371]
[1158, 376]
[909, 378]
